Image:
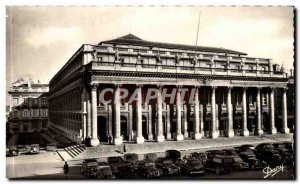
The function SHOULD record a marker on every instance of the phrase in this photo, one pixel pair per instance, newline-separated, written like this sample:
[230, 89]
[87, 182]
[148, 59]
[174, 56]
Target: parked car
[131, 157]
[167, 166]
[266, 152]
[239, 164]
[29, 149]
[115, 163]
[200, 156]
[148, 169]
[230, 152]
[12, 151]
[253, 162]
[286, 155]
[130, 169]
[213, 152]
[150, 156]
[191, 166]
[220, 164]
[104, 171]
[89, 168]
[174, 155]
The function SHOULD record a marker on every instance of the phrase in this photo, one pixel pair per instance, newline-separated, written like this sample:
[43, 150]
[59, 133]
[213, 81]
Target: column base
[179, 137]
[258, 132]
[169, 136]
[230, 133]
[245, 133]
[214, 135]
[273, 131]
[118, 140]
[160, 138]
[186, 135]
[285, 130]
[197, 136]
[95, 142]
[140, 140]
[150, 137]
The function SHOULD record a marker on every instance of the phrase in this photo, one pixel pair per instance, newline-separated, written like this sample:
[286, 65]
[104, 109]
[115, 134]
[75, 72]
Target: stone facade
[234, 93]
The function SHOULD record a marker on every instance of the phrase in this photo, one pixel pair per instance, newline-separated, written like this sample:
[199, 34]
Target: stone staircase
[75, 150]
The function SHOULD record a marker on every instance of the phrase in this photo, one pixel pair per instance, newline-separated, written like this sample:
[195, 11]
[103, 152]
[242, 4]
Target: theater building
[234, 93]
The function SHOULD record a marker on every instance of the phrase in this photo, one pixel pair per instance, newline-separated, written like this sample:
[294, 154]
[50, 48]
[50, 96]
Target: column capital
[179, 86]
[94, 86]
[118, 85]
[213, 87]
[139, 85]
[197, 86]
[285, 89]
[230, 88]
[160, 86]
[245, 88]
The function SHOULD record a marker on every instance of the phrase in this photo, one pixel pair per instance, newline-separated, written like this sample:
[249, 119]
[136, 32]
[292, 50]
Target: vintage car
[191, 166]
[200, 156]
[213, 153]
[174, 155]
[230, 152]
[148, 169]
[12, 151]
[239, 164]
[266, 152]
[252, 161]
[150, 156]
[247, 146]
[104, 171]
[115, 163]
[129, 170]
[29, 149]
[220, 164]
[167, 166]
[89, 168]
[131, 157]
[286, 155]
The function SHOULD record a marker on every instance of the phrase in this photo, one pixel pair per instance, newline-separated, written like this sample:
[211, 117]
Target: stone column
[245, 131]
[285, 129]
[272, 113]
[159, 130]
[84, 114]
[196, 124]
[213, 132]
[150, 134]
[117, 137]
[258, 130]
[168, 123]
[230, 132]
[201, 120]
[185, 123]
[139, 133]
[89, 119]
[179, 136]
[94, 139]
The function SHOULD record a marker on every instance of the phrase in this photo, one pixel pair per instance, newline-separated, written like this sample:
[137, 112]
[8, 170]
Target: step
[65, 156]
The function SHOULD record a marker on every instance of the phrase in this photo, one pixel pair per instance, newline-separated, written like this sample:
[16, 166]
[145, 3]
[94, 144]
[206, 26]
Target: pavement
[50, 164]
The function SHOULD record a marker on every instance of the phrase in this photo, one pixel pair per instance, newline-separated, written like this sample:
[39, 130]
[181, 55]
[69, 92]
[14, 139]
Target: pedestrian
[66, 168]
[109, 139]
[124, 148]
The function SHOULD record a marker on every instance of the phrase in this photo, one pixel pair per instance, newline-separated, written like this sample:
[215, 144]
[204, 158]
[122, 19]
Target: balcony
[161, 68]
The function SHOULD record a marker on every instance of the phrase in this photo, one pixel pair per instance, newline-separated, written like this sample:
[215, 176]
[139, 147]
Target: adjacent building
[28, 106]
[234, 93]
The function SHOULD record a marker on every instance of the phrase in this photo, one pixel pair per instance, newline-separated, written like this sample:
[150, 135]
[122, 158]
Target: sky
[40, 39]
